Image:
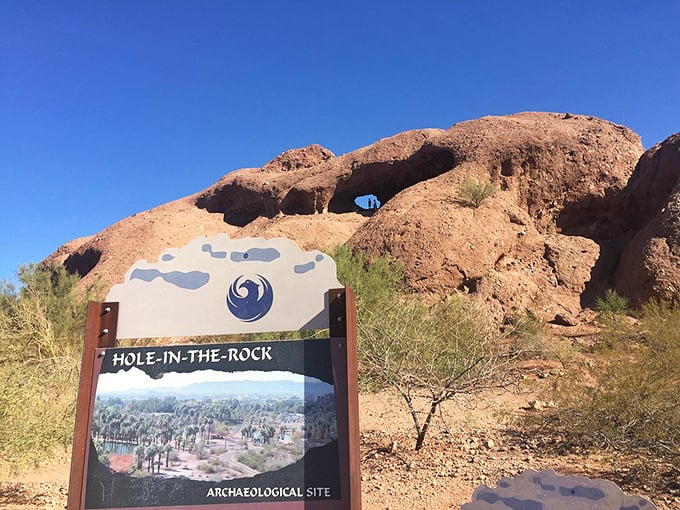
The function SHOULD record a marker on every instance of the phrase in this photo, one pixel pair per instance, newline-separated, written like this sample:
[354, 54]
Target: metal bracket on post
[100, 333]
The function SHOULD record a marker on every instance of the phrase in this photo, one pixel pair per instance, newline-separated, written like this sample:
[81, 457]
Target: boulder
[650, 264]
[534, 243]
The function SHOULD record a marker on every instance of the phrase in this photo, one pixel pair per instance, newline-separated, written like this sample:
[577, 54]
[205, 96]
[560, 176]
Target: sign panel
[211, 424]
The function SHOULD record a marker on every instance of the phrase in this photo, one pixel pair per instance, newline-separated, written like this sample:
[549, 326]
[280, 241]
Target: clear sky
[134, 378]
[112, 107]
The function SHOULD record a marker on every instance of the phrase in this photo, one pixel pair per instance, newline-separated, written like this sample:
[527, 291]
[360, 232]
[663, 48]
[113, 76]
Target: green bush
[612, 315]
[626, 397]
[611, 303]
[213, 466]
[473, 192]
[533, 340]
[375, 282]
[41, 330]
[270, 458]
[254, 460]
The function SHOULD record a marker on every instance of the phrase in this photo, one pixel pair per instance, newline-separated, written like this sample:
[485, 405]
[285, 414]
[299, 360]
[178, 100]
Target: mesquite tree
[431, 355]
[428, 354]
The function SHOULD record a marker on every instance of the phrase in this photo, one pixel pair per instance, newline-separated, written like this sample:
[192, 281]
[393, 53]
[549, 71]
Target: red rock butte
[577, 207]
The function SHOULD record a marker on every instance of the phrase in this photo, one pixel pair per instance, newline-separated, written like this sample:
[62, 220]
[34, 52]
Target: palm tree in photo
[267, 431]
[140, 455]
[150, 456]
[167, 449]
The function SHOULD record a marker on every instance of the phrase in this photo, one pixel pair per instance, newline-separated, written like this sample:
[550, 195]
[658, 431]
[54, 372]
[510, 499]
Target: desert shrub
[269, 458]
[626, 398]
[376, 285]
[611, 303]
[375, 282]
[200, 450]
[528, 330]
[533, 340]
[473, 192]
[428, 354]
[41, 329]
[612, 315]
[253, 460]
[213, 466]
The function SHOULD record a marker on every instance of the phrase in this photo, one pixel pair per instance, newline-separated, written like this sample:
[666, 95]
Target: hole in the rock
[82, 263]
[506, 168]
[367, 202]
[470, 285]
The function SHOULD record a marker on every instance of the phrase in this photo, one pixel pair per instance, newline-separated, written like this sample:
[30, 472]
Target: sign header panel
[216, 285]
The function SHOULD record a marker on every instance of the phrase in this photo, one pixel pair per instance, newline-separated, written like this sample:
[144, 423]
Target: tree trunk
[426, 425]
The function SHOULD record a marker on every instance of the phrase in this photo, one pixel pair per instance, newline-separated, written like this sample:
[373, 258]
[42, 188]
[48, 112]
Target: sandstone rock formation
[549, 238]
[650, 264]
[534, 243]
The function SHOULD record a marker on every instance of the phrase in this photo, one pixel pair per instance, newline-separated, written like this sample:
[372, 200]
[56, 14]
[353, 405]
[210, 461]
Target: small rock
[564, 319]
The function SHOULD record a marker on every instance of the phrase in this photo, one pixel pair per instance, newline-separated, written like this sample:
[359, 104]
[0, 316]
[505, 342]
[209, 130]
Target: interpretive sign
[213, 424]
[237, 425]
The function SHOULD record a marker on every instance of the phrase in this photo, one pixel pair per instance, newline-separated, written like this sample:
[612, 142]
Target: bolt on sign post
[225, 425]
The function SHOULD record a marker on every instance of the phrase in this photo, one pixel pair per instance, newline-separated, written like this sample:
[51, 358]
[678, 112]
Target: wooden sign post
[247, 425]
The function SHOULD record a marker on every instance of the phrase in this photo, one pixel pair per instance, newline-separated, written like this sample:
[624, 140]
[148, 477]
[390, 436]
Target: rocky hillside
[576, 208]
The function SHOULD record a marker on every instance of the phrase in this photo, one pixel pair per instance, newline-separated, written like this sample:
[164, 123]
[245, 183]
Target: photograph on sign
[213, 423]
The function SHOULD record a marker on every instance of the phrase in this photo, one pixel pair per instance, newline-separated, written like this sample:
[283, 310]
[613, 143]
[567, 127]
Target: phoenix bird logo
[250, 300]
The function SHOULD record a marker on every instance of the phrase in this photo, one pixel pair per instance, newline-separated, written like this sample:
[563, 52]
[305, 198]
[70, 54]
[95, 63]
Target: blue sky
[109, 108]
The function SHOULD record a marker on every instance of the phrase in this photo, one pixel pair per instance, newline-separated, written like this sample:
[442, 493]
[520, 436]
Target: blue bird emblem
[250, 300]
